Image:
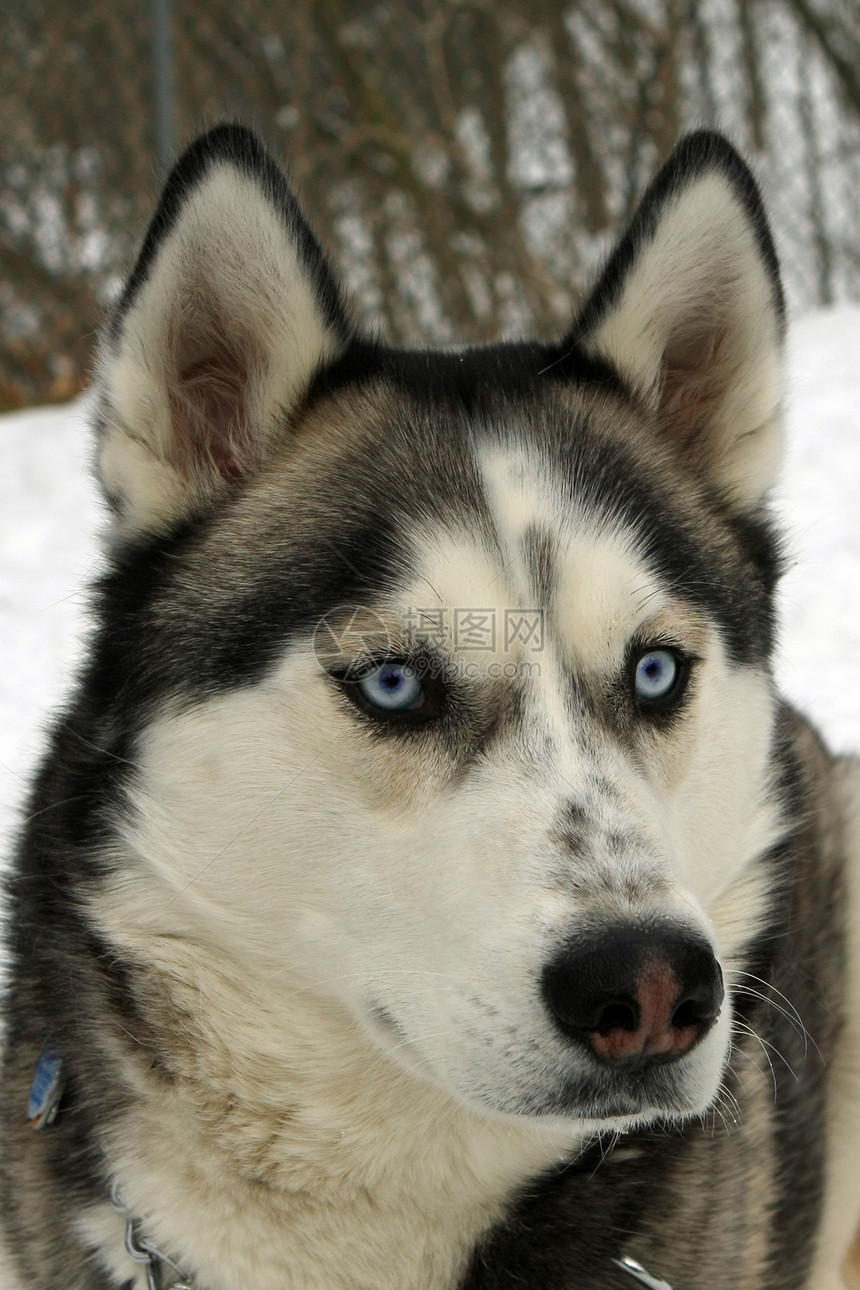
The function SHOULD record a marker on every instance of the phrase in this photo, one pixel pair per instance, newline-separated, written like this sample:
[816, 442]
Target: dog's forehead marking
[518, 486]
[596, 587]
[459, 577]
[525, 506]
[604, 595]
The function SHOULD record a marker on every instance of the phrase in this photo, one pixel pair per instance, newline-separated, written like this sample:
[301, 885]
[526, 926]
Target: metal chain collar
[644, 1278]
[45, 1095]
[142, 1251]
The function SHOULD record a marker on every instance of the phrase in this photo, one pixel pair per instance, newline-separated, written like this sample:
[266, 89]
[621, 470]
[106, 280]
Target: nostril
[690, 1013]
[701, 1005]
[636, 994]
[617, 1016]
[686, 1014]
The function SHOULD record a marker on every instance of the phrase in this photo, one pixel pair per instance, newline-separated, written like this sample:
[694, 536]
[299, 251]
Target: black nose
[636, 994]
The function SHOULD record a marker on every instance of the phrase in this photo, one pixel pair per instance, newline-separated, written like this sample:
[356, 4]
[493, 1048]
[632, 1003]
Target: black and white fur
[295, 955]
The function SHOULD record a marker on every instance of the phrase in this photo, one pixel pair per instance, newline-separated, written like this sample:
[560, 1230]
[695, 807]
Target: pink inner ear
[211, 403]
[694, 369]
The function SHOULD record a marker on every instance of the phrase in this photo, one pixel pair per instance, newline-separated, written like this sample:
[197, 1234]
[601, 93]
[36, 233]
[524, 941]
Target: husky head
[448, 673]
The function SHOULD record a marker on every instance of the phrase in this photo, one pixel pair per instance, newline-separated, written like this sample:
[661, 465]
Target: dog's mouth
[638, 1093]
[634, 1098]
[634, 1003]
[633, 1091]
[627, 1028]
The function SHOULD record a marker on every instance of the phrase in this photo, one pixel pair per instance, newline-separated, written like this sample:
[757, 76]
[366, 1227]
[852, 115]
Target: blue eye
[657, 676]
[392, 687]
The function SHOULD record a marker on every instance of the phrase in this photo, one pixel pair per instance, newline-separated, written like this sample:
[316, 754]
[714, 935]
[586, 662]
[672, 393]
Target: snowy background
[50, 514]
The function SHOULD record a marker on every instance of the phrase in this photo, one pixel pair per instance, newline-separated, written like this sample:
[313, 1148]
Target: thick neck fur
[278, 1146]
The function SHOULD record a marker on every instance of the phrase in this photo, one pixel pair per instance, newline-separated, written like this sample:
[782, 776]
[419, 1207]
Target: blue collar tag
[46, 1089]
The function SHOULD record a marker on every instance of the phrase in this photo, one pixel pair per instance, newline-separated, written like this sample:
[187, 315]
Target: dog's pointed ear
[229, 313]
[689, 310]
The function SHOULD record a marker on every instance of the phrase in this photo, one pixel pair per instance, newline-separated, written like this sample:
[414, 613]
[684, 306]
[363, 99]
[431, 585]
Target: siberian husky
[425, 888]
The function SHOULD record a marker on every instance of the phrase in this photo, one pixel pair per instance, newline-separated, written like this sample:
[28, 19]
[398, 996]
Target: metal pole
[162, 87]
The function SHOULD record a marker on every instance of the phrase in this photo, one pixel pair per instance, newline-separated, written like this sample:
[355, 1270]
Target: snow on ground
[819, 496]
[49, 513]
